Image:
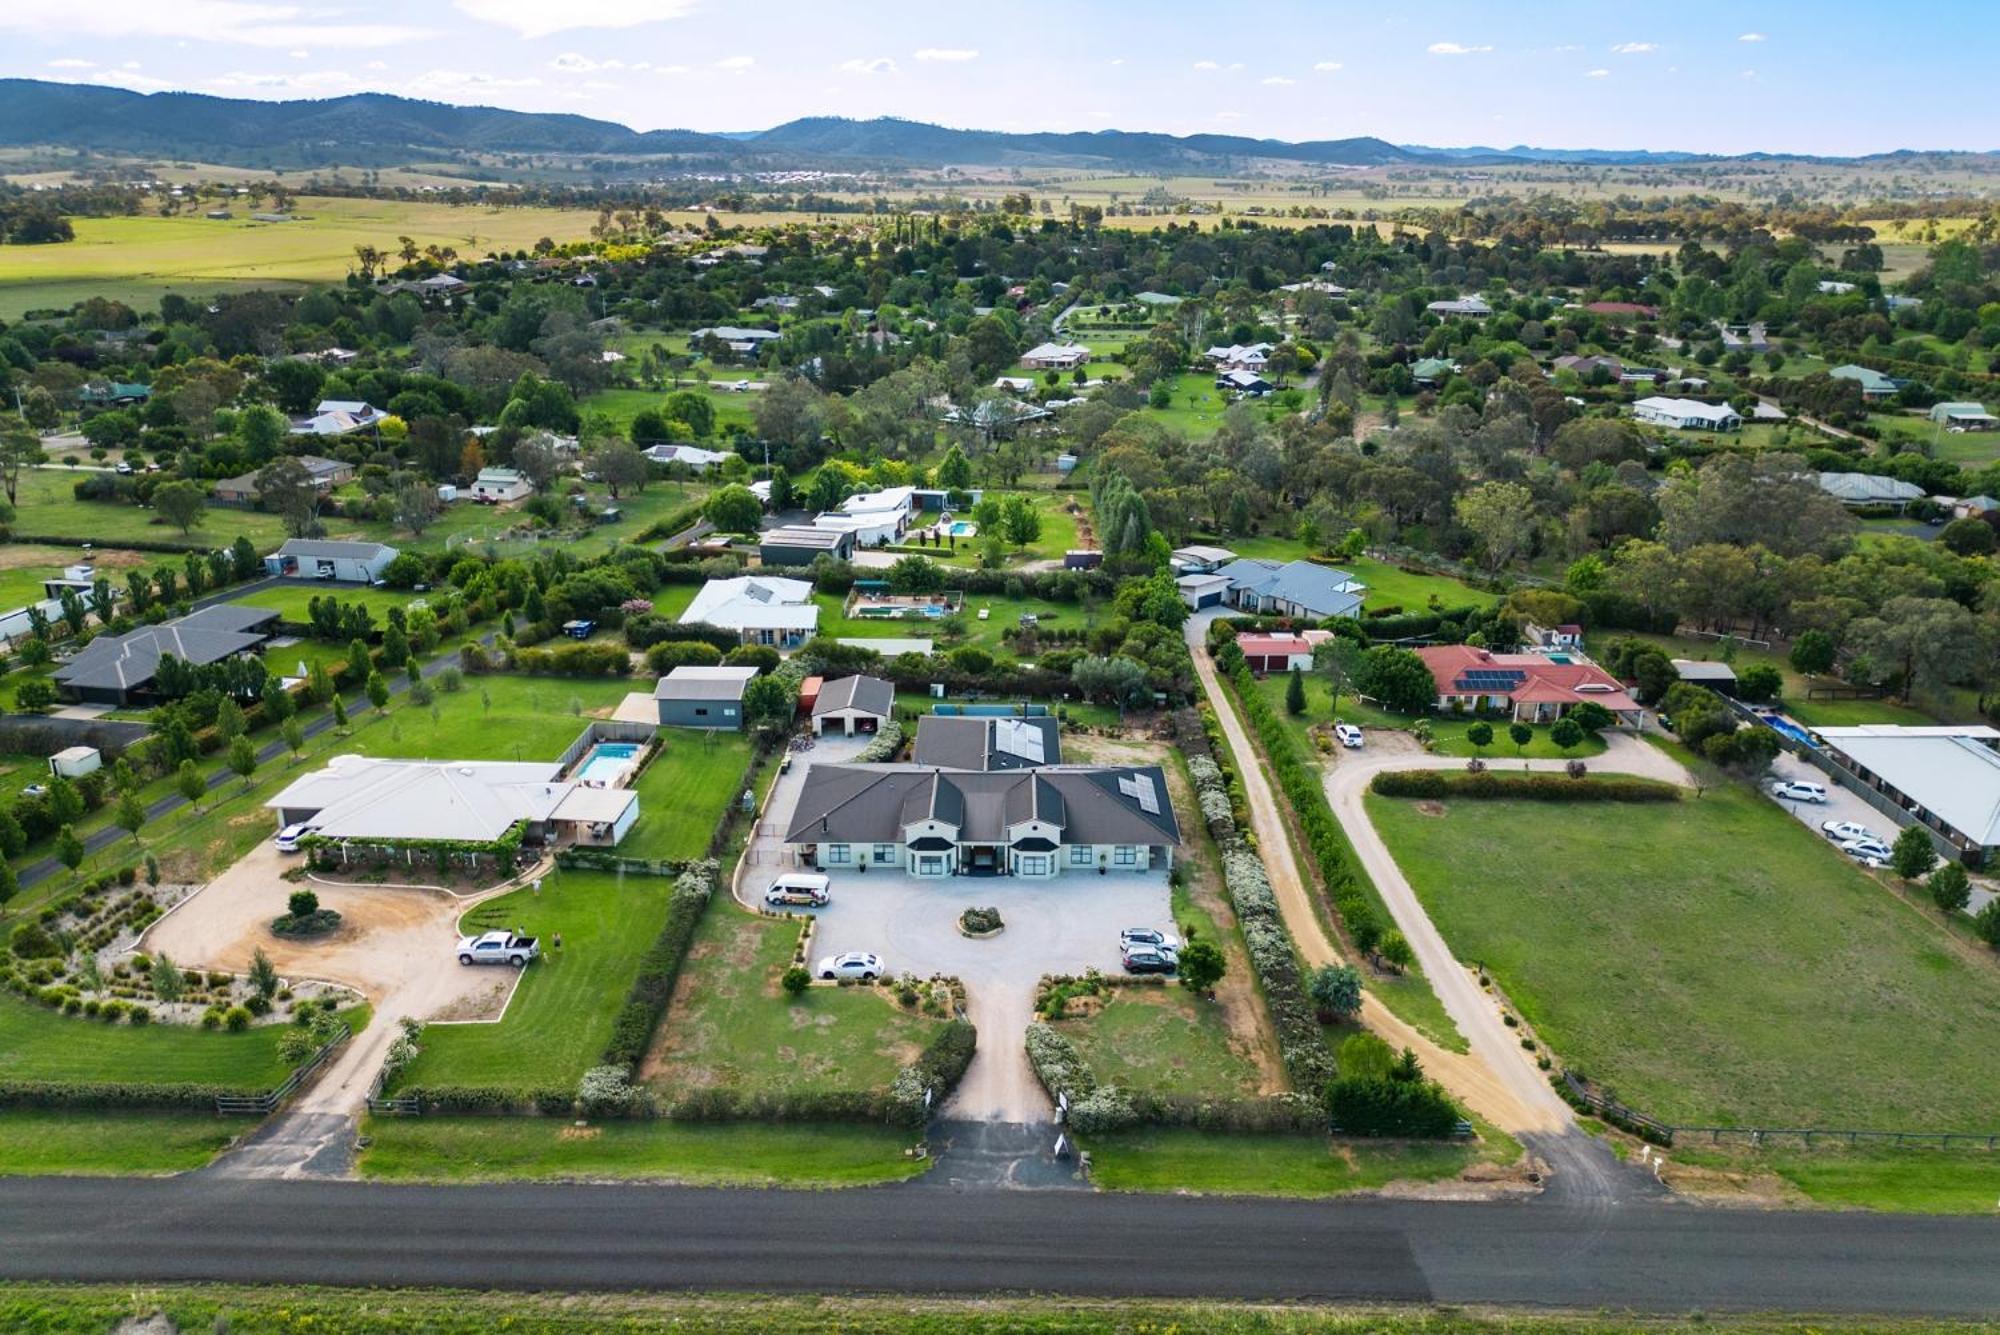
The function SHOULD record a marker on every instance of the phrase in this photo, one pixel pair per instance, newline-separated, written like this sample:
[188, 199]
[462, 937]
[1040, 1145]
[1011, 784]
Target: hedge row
[1300, 783]
[1096, 1109]
[1272, 952]
[487, 1101]
[1439, 784]
[115, 1097]
[632, 1031]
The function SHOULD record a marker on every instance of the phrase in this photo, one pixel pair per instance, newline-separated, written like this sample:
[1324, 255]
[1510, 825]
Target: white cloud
[1278, 81]
[278, 26]
[879, 65]
[949, 54]
[315, 83]
[1455, 49]
[735, 64]
[72, 63]
[378, 64]
[1206, 65]
[125, 78]
[299, 55]
[1567, 46]
[1328, 66]
[1597, 74]
[571, 62]
[1229, 115]
[1633, 48]
[1752, 37]
[673, 69]
[446, 85]
[1747, 74]
[1117, 60]
[539, 18]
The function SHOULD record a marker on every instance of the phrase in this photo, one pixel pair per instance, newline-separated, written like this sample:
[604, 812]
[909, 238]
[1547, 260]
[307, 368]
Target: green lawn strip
[1447, 734]
[731, 1025]
[1408, 994]
[684, 793]
[1161, 1159]
[1902, 1179]
[1002, 613]
[39, 1044]
[622, 405]
[71, 1143]
[497, 717]
[802, 1154]
[1163, 1040]
[560, 1016]
[291, 600]
[1712, 960]
[46, 506]
[1388, 585]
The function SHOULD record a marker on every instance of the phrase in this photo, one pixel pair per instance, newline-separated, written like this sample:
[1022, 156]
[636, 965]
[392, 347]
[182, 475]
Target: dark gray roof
[804, 537]
[873, 803]
[954, 741]
[360, 551]
[704, 683]
[871, 695]
[126, 662]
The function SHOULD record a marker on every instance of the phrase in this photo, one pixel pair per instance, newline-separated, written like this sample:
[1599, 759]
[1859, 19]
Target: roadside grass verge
[560, 1017]
[1159, 1159]
[1903, 1180]
[1163, 1040]
[476, 1149]
[1712, 960]
[37, 1043]
[84, 1144]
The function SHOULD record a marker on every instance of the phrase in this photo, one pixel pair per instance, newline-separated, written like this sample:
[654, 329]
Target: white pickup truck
[498, 948]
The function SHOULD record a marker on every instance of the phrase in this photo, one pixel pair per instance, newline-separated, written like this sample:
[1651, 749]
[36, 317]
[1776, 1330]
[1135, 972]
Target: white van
[799, 889]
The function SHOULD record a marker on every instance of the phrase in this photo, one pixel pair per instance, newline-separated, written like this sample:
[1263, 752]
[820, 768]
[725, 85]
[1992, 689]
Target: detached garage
[1199, 591]
[851, 705]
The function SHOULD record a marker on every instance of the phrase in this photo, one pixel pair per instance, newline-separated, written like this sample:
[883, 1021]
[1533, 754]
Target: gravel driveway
[1064, 925]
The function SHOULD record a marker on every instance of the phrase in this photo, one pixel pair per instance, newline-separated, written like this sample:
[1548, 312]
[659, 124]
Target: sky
[1832, 77]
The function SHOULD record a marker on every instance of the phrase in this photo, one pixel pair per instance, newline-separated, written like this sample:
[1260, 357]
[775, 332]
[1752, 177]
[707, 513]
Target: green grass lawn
[560, 1017]
[1163, 1040]
[46, 506]
[732, 1026]
[497, 717]
[23, 567]
[291, 600]
[1712, 960]
[1388, 585]
[547, 1148]
[1266, 1165]
[1002, 613]
[1873, 1177]
[622, 405]
[1447, 734]
[41, 1044]
[34, 1142]
[1957, 706]
[684, 793]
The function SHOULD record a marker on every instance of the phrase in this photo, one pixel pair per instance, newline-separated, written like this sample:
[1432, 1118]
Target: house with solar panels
[1529, 688]
[1019, 817]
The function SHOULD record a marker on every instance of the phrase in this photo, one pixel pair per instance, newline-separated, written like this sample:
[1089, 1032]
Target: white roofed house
[1291, 588]
[338, 417]
[687, 456]
[1472, 307]
[495, 485]
[762, 609]
[1964, 416]
[1686, 414]
[1946, 778]
[1862, 490]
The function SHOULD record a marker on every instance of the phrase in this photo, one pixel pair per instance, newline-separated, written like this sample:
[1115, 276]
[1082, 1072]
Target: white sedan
[1349, 735]
[860, 964]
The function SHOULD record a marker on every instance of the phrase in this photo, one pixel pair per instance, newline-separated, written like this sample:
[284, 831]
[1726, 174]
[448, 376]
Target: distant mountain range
[379, 129]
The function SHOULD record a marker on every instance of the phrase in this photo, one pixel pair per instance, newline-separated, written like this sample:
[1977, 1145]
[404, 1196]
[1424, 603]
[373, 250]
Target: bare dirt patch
[1429, 808]
[23, 558]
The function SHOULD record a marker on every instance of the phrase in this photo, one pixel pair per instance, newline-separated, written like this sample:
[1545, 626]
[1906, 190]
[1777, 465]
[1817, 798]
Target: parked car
[1145, 959]
[124, 469]
[1868, 852]
[1349, 735]
[799, 889]
[741, 387]
[35, 790]
[1798, 790]
[1151, 937]
[498, 948]
[854, 964]
[288, 838]
[1840, 831]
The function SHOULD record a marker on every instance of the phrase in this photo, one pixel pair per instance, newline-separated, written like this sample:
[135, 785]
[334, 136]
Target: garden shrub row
[632, 1030]
[115, 1097]
[1440, 784]
[888, 744]
[1346, 886]
[489, 1101]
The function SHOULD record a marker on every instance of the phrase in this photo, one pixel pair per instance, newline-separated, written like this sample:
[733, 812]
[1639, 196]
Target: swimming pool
[961, 528]
[1784, 727]
[607, 763]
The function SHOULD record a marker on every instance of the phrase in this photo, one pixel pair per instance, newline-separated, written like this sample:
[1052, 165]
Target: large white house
[762, 609]
[1686, 414]
[494, 485]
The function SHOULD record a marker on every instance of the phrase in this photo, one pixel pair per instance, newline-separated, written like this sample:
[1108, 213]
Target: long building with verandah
[1945, 778]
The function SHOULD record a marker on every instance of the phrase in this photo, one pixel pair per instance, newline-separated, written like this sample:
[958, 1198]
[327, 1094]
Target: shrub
[796, 980]
[632, 1030]
[1436, 785]
[1951, 889]
[302, 903]
[980, 922]
[236, 1019]
[1366, 1106]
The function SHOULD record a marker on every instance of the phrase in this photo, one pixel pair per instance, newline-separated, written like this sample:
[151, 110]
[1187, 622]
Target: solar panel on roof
[1139, 787]
[1016, 738]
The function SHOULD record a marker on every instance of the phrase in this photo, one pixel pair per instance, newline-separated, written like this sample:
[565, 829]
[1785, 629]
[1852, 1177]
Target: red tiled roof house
[1528, 687]
[1280, 652]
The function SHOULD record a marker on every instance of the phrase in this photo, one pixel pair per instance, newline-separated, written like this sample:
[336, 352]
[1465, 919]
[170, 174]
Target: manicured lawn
[47, 507]
[1870, 1177]
[1002, 613]
[292, 600]
[1447, 734]
[1261, 1165]
[497, 717]
[1956, 707]
[40, 1044]
[684, 793]
[560, 1017]
[622, 405]
[1163, 1040]
[731, 1025]
[1712, 960]
[85, 1144]
[549, 1148]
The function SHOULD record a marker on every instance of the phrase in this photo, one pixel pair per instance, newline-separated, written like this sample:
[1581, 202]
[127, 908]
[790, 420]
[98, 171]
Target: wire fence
[1606, 1104]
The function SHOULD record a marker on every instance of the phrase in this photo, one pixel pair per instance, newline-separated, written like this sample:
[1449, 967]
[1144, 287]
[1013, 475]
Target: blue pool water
[1785, 727]
[962, 528]
[607, 760]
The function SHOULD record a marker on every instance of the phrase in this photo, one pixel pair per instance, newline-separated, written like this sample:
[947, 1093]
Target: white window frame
[839, 854]
[885, 853]
[1125, 856]
[1079, 855]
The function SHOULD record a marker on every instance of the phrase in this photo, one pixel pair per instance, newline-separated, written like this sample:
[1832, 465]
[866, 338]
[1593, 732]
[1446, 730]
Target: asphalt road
[398, 682]
[927, 1238]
